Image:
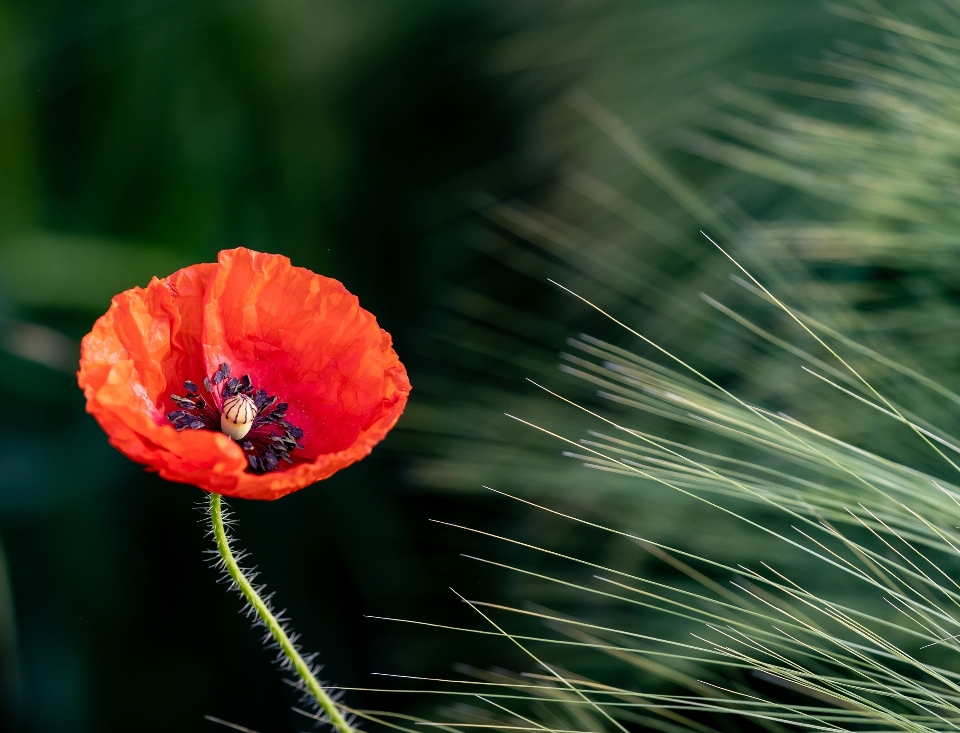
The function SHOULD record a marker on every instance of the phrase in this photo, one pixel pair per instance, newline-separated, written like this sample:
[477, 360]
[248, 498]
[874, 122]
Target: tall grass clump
[756, 522]
[845, 618]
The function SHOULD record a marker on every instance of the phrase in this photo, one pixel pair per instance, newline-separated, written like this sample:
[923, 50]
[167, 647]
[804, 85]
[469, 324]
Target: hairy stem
[263, 612]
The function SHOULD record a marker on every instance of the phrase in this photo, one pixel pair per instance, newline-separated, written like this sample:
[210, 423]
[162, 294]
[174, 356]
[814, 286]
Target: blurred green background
[371, 142]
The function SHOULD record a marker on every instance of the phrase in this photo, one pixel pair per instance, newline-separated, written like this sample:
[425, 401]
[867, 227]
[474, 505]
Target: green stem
[262, 610]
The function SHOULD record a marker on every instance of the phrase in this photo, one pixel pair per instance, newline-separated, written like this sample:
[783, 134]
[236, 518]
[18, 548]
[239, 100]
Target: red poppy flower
[298, 381]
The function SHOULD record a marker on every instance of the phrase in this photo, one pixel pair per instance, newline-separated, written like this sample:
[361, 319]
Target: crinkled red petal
[298, 335]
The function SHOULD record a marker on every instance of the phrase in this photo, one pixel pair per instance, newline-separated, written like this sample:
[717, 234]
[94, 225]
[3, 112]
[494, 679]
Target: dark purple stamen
[271, 438]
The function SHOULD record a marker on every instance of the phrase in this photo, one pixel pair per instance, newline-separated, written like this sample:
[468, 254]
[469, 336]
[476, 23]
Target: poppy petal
[297, 334]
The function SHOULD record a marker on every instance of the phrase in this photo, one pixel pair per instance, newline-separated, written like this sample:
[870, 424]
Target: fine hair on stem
[277, 630]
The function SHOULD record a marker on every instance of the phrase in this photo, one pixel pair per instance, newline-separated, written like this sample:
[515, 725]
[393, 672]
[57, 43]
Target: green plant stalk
[270, 621]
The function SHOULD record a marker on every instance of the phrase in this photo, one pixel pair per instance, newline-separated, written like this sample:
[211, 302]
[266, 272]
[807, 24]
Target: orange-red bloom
[299, 336]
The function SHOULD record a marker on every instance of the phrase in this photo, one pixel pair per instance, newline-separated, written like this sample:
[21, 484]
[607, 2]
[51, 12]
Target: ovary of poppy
[298, 335]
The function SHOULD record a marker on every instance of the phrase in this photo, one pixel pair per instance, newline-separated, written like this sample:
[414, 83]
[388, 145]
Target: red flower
[315, 383]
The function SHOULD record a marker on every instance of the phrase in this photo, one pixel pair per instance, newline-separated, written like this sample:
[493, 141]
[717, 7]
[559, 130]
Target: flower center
[254, 419]
[238, 415]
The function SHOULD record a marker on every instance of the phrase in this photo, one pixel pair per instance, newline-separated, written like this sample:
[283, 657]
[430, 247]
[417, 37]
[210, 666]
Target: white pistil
[237, 417]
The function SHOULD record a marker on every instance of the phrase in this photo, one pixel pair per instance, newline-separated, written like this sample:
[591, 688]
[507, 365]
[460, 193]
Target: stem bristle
[277, 634]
